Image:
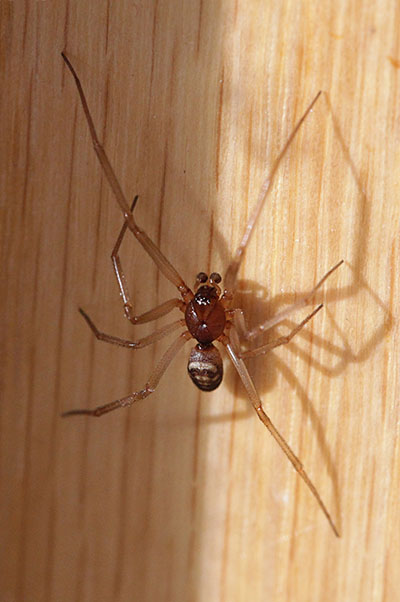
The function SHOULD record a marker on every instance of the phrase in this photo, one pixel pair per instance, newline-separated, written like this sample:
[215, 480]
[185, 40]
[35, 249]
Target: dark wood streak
[58, 369]
[199, 20]
[27, 170]
[26, 475]
[219, 128]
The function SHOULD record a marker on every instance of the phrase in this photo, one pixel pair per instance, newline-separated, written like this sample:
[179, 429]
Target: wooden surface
[185, 497]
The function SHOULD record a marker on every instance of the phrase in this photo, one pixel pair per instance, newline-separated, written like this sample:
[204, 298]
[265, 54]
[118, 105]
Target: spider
[208, 315]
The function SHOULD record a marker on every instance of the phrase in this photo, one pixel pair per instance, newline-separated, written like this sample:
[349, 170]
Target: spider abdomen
[205, 315]
[205, 367]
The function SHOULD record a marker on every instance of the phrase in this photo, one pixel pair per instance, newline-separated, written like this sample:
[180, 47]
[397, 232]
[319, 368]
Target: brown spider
[208, 315]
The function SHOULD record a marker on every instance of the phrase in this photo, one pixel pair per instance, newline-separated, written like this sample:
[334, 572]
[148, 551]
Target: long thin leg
[240, 324]
[256, 402]
[162, 262]
[279, 317]
[282, 340]
[149, 387]
[153, 314]
[233, 268]
[139, 344]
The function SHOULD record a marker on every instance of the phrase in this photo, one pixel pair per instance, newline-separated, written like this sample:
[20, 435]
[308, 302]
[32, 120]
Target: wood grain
[186, 497]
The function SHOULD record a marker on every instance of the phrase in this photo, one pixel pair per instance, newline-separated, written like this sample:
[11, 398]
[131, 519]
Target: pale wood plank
[186, 497]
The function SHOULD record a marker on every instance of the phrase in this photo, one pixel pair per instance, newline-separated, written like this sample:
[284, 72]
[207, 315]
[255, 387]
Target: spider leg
[153, 314]
[159, 259]
[256, 402]
[279, 317]
[149, 387]
[140, 343]
[281, 340]
[233, 268]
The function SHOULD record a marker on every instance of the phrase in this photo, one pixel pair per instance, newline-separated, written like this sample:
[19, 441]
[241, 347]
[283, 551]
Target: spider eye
[215, 277]
[202, 277]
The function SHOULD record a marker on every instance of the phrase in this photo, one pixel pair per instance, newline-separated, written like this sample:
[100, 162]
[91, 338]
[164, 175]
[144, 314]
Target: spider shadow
[265, 377]
[254, 300]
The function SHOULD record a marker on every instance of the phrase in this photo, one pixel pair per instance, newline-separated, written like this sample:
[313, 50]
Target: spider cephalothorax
[208, 313]
[205, 314]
